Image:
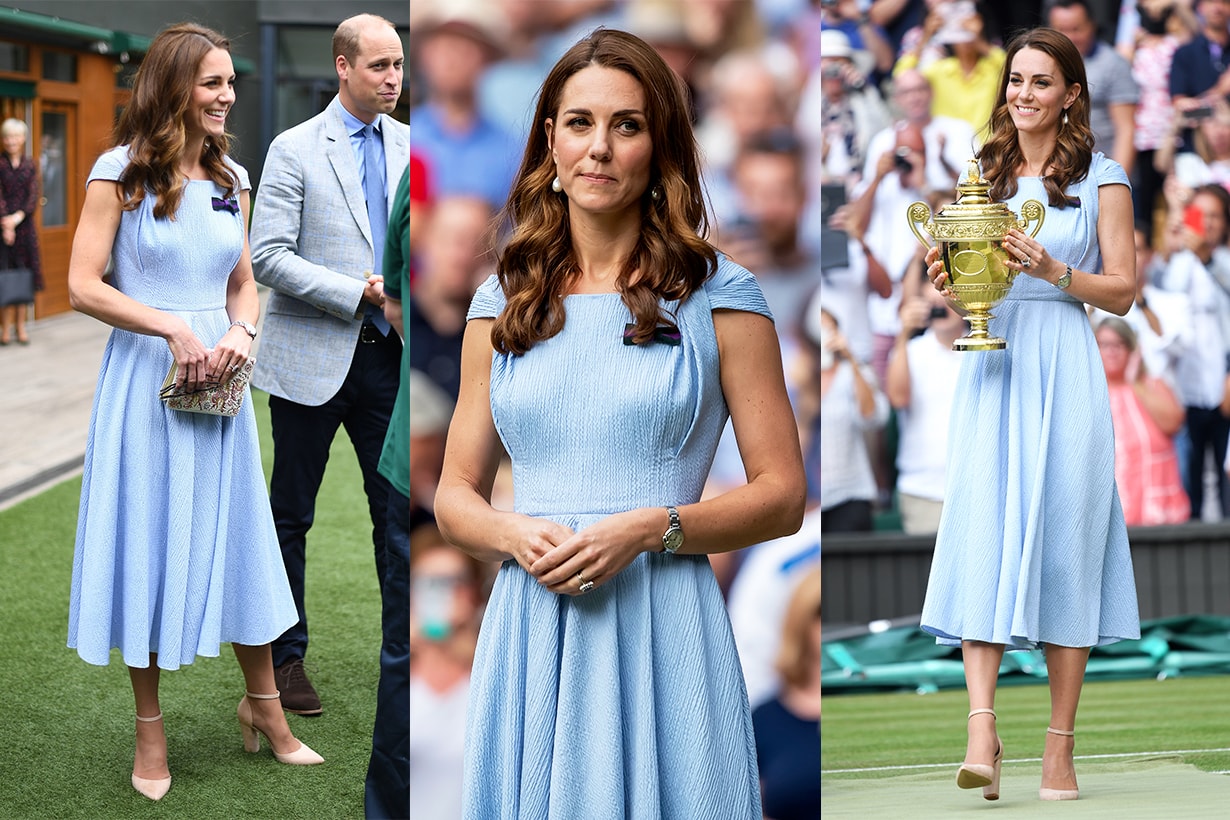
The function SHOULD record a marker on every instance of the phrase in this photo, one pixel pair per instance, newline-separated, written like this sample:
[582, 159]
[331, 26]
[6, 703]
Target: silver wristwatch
[672, 539]
[248, 327]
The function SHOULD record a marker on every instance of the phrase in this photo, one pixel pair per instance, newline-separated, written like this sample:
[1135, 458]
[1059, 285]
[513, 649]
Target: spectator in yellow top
[967, 80]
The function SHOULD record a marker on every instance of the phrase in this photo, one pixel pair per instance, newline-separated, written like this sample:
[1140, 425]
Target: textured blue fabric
[627, 702]
[176, 550]
[1032, 546]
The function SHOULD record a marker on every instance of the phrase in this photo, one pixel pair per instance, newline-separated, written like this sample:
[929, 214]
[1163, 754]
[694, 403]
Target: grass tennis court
[68, 727]
[1145, 748]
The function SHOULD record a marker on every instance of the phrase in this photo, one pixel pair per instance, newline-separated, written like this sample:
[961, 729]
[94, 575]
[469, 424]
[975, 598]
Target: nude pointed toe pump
[1059, 794]
[153, 789]
[303, 756]
[973, 775]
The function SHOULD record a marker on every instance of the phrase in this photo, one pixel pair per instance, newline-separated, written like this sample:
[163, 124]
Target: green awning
[101, 40]
[16, 20]
[17, 88]
[139, 44]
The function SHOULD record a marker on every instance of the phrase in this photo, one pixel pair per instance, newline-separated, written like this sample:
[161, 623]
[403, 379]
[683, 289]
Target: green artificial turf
[68, 726]
[1121, 718]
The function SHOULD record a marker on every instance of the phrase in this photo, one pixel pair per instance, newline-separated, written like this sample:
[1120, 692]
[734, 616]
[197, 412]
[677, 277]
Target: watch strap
[672, 539]
[248, 328]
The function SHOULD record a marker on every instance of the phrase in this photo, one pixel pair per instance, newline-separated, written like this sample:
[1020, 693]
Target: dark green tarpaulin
[905, 657]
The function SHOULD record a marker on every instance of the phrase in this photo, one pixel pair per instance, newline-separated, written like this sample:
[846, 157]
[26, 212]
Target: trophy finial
[972, 174]
[973, 191]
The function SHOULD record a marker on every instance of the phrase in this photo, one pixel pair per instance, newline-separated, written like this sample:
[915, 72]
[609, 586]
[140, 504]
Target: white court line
[1027, 760]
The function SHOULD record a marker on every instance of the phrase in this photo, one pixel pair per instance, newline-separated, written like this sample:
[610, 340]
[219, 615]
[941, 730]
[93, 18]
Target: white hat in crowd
[835, 43]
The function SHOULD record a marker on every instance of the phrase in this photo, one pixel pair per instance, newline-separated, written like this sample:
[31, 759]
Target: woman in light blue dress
[1032, 549]
[176, 550]
[605, 356]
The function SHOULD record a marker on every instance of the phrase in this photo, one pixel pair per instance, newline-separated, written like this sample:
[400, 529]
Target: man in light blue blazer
[327, 356]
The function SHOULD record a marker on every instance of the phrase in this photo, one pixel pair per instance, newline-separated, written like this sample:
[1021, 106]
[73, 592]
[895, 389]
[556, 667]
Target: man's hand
[374, 291]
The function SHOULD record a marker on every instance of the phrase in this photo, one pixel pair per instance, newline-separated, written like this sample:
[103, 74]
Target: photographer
[852, 108]
[1198, 72]
[1205, 159]
[922, 378]
[967, 80]
[895, 176]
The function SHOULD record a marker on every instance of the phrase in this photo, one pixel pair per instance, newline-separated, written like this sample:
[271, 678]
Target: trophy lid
[974, 207]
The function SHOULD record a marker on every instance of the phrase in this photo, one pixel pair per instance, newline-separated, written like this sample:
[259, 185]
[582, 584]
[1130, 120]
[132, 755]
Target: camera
[852, 81]
[1203, 112]
[937, 312]
[901, 160]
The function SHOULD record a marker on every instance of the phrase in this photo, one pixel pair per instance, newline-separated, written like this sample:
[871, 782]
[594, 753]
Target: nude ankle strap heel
[153, 789]
[973, 775]
[1059, 794]
[303, 756]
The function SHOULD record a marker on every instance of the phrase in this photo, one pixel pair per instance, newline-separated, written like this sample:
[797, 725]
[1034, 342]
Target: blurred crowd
[907, 87]
[753, 68]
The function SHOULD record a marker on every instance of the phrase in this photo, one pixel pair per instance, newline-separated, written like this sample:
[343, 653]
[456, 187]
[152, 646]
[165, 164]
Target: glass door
[54, 139]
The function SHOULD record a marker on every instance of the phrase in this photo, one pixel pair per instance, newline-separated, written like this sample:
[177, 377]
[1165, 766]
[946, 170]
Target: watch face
[673, 539]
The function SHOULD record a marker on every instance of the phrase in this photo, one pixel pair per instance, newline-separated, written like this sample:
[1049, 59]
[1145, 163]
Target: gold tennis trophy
[970, 233]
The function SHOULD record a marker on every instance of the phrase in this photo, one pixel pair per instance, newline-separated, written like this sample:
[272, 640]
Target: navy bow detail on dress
[665, 335]
[221, 204]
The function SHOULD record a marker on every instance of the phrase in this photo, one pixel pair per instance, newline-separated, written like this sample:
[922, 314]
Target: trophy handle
[1032, 211]
[917, 214]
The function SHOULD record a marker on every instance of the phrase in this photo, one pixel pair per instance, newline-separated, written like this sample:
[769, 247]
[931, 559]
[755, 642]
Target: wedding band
[581, 576]
[587, 586]
[234, 367]
[1027, 262]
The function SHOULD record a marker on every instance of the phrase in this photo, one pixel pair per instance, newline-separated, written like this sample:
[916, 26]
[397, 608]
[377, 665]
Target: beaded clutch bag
[217, 399]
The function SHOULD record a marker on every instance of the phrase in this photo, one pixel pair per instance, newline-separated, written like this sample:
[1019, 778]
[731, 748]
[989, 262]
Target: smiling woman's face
[1036, 93]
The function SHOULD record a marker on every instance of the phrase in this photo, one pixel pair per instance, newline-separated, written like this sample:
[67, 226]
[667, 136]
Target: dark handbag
[16, 284]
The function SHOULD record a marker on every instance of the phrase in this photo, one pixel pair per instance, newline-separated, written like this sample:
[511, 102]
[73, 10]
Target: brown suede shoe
[298, 695]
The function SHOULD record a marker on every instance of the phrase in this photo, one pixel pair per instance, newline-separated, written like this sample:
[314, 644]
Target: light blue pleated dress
[176, 550]
[1032, 547]
[626, 703]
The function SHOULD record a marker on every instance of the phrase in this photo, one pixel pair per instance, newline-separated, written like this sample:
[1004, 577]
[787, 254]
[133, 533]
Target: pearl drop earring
[556, 186]
[656, 193]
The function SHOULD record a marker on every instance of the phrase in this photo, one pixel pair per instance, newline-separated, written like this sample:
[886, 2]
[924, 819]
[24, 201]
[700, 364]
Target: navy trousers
[387, 791]
[302, 436]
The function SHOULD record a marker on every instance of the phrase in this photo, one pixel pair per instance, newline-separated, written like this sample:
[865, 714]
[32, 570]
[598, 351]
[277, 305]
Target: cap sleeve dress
[176, 550]
[1032, 546]
[628, 701]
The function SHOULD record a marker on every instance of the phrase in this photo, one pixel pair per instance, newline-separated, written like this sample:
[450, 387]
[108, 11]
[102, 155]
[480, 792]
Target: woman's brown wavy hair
[670, 261]
[152, 124]
[1000, 155]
